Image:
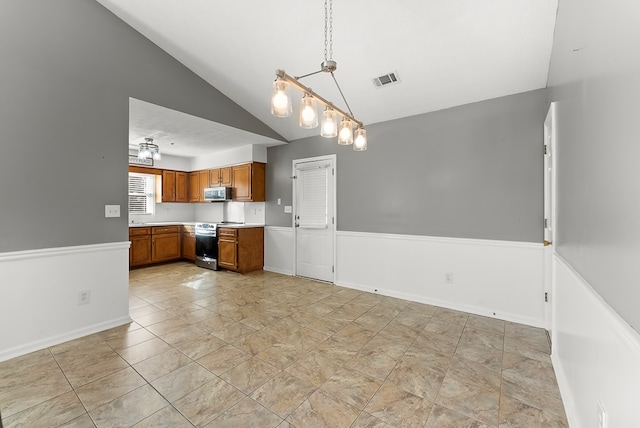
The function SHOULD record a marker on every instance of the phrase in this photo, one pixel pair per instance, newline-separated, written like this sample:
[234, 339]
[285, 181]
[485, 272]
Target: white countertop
[192, 223]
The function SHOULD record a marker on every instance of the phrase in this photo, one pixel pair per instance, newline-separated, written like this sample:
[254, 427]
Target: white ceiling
[446, 52]
[181, 134]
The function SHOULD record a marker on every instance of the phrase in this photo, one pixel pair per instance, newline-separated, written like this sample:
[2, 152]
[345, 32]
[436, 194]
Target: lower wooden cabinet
[140, 249]
[154, 244]
[188, 243]
[241, 249]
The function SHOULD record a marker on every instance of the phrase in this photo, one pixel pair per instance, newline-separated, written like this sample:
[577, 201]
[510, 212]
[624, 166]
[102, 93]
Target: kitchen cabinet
[168, 186]
[221, 177]
[226, 176]
[140, 249]
[241, 249]
[188, 242]
[204, 183]
[194, 186]
[182, 186]
[248, 182]
[165, 243]
[174, 186]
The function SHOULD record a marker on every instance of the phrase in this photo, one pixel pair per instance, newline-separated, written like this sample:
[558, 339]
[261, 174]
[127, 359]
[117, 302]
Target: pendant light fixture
[308, 119]
[148, 150]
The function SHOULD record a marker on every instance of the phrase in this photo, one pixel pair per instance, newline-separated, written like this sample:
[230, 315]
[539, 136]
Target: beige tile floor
[219, 349]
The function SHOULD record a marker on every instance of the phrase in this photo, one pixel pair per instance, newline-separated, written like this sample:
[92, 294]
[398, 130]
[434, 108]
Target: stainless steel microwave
[217, 194]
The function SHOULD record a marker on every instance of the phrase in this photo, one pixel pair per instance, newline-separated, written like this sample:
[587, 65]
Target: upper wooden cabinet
[168, 186]
[204, 183]
[214, 177]
[248, 182]
[182, 187]
[226, 176]
[175, 186]
[221, 177]
[194, 187]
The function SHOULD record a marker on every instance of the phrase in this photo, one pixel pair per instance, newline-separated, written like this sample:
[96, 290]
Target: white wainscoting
[492, 278]
[39, 295]
[499, 279]
[596, 354]
[278, 249]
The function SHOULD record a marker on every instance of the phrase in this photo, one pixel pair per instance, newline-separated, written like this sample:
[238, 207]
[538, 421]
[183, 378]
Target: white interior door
[549, 211]
[314, 217]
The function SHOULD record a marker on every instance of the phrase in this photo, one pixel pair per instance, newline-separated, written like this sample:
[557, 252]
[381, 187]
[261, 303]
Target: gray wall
[595, 77]
[473, 171]
[68, 70]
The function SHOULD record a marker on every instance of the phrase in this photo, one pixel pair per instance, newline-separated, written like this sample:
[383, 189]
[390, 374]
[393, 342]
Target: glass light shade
[329, 128]
[360, 140]
[156, 154]
[345, 134]
[308, 112]
[280, 100]
[144, 152]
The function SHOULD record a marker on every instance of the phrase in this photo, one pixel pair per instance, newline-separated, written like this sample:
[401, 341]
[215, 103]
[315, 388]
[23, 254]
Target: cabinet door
[228, 252]
[204, 183]
[165, 247]
[248, 182]
[189, 246]
[214, 177]
[226, 176]
[182, 184]
[194, 187]
[140, 250]
[168, 186]
[242, 182]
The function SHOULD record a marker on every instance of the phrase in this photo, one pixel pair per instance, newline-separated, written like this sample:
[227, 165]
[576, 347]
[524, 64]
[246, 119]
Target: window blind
[141, 193]
[312, 197]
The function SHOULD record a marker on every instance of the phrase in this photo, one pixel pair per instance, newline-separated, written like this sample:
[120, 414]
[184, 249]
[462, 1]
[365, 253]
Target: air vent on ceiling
[386, 79]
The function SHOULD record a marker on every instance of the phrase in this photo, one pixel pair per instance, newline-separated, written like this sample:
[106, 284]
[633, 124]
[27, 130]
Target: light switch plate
[288, 209]
[112, 210]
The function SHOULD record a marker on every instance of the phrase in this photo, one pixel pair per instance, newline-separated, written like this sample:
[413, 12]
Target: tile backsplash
[244, 212]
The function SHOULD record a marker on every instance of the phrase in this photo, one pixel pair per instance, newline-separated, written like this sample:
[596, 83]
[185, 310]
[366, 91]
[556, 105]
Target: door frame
[333, 159]
[550, 209]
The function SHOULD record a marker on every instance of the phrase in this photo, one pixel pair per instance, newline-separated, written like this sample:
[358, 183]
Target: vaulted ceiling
[445, 52]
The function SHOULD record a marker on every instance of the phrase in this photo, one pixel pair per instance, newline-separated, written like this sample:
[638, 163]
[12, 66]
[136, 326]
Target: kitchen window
[141, 193]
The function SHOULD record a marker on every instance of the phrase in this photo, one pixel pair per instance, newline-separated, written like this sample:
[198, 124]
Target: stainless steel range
[207, 245]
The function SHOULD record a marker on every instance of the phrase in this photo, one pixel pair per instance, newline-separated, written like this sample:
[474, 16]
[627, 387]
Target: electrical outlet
[602, 416]
[84, 297]
[448, 277]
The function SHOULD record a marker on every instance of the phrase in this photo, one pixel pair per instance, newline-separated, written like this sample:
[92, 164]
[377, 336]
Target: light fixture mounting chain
[328, 29]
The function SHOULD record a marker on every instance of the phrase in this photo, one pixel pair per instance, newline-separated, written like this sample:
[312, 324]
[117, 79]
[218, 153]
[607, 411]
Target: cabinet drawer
[157, 230]
[227, 233]
[139, 231]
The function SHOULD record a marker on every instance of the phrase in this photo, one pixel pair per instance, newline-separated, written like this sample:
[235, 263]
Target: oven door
[207, 251]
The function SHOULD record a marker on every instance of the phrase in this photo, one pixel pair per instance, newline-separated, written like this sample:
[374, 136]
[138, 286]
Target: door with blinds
[314, 217]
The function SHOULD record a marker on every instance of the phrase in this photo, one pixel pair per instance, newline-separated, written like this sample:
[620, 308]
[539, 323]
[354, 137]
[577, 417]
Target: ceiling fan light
[360, 140]
[345, 134]
[280, 100]
[329, 128]
[308, 112]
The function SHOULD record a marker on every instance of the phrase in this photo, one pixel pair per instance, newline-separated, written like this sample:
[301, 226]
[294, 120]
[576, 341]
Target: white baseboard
[39, 294]
[7, 354]
[596, 354]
